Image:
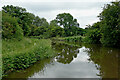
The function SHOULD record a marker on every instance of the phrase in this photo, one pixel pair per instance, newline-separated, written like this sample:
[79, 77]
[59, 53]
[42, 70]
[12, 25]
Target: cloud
[48, 6]
[0, 5]
[58, 0]
[86, 11]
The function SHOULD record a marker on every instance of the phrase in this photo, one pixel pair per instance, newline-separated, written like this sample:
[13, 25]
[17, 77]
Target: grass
[18, 55]
[37, 37]
[70, 39]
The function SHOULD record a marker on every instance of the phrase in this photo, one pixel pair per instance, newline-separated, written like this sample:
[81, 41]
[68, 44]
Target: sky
[85, 11]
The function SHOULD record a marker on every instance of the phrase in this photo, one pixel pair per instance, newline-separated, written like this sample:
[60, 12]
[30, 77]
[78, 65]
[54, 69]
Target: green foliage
[35, 26]
[107, 31]
[93, 34]
[70, 39]
[14, 16]
[41, 26]
[40, 22]
[26, 29]
[10, 27]
[69, 24]
[40, 30]
[110, 18]
[14, 10]
[55, 30]
[33, 30]
[19, 33]
[74, 39]
[37, 37]
[21, 54]
[23, 18]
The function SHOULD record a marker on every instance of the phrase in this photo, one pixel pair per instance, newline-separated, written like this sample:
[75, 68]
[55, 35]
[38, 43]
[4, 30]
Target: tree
[33, 29]
[110, 19]
[24, 18]
[40, 22]
[26, 29]
[53, 23]
[10, 27]
[14, 11]
[55, 30]
[37, 21]
[107, 31]
[93, 34]
[69, 24]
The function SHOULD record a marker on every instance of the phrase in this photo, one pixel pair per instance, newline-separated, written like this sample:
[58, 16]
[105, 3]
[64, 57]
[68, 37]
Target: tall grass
[21, 54]
[70, 39]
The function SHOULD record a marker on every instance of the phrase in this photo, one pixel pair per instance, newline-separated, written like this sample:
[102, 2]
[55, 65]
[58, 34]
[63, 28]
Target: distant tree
[55, 30]
[40, 22]
[54, 23]
[93, 34]
[80, 31]
[68, 22]
[40, 30]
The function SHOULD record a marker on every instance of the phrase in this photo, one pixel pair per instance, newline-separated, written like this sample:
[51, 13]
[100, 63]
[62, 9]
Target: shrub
[22, 54]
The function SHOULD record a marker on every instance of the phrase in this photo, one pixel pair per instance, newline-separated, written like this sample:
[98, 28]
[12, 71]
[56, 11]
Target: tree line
[107, 30]
[17, 23]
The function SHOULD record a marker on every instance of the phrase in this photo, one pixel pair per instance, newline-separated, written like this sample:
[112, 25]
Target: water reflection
[105, 59]
[66, 53]
[75, 61]
[39, 66]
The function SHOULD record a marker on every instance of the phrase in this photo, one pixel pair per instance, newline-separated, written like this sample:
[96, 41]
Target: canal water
[75, 60]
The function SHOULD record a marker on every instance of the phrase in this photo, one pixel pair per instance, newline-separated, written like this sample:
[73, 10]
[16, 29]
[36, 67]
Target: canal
[74, 60]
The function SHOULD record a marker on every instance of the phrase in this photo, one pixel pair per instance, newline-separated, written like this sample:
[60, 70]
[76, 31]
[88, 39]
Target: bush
[110, 19]
[73, 39]
[11, 28]
[93, 36]
[22, 54]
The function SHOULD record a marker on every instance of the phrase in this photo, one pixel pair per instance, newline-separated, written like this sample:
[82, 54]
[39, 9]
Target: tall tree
[110, 19]
[10, 27]
[40, 22]
[24, 18]
[55, 30]
[69, 24]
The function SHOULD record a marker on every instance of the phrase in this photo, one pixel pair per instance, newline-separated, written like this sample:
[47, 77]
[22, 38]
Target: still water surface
[80, 61]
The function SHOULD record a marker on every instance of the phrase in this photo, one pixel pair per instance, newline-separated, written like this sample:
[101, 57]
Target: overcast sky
[85, 11]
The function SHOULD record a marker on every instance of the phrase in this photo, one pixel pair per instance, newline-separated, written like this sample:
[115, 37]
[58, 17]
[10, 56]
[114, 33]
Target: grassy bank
[70, 39]
[18, 55]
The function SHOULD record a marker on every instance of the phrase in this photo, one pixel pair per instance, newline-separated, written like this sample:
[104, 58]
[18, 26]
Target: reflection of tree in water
[105, 59]
[66, 53]
[39, 66]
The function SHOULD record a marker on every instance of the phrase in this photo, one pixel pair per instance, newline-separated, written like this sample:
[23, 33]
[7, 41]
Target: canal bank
[18, 55]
